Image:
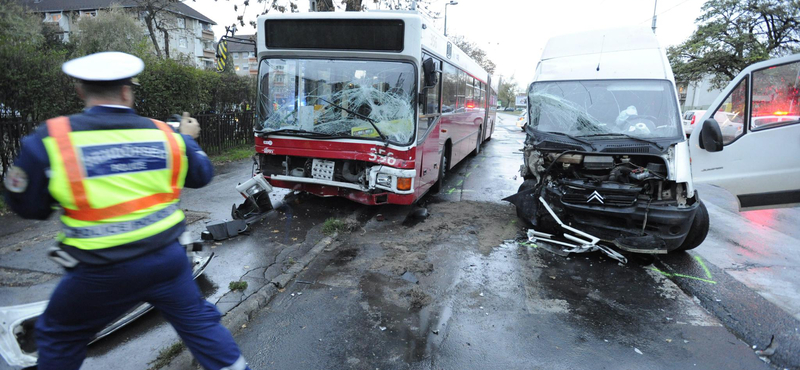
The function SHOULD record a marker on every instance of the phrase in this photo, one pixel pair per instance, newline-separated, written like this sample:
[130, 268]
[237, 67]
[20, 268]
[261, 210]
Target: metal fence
[11, 132]
[219, 132]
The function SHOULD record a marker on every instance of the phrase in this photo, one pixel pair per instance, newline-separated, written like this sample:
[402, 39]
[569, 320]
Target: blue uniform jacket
[35, 202]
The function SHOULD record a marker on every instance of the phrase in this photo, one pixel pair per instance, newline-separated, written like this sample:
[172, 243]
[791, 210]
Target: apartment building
[243, 56]
[190, 33]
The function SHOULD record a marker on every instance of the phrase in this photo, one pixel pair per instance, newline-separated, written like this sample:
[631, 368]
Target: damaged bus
[606, 158]
[374, 106]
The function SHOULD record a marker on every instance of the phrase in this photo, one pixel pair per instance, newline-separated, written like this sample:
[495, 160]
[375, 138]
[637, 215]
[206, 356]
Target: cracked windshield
[340, 98]
[639, 108]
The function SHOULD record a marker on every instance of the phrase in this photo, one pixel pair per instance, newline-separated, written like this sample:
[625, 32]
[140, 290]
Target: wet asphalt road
[509, 306]
[518, 307]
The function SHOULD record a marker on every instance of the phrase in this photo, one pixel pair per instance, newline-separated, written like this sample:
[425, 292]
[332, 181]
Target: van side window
[731, 114]
[776, 96]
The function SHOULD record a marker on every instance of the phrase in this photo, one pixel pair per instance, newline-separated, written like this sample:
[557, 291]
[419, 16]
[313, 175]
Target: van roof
[621, 53]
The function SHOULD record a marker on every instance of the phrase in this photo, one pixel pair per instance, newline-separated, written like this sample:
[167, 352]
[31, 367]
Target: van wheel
[698, 231]
[526, 185]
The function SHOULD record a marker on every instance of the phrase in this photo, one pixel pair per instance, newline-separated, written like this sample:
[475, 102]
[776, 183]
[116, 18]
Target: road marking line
[703, 265]
[451, 191]
[668, 274]
[460, 182]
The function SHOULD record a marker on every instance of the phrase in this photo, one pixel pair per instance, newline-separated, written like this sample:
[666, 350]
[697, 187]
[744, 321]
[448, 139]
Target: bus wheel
[437, 187]
[479, 142]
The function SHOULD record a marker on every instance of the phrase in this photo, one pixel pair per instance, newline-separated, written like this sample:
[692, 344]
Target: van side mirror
[430, 73]
[711, 136]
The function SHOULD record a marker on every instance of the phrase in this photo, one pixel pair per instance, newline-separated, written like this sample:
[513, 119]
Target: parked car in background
[689, 120]
[522, 121]
[508, 109]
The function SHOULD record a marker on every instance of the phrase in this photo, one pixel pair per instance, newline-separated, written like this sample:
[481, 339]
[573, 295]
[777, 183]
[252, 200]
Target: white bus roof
[419, 34]
[621, 53]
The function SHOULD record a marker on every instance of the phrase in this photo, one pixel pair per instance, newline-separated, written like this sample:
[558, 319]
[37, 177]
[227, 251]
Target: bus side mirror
[711, 136]
[430, 73]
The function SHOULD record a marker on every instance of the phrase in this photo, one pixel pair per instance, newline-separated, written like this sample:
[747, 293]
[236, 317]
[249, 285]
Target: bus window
[449, 89]
[462, 90]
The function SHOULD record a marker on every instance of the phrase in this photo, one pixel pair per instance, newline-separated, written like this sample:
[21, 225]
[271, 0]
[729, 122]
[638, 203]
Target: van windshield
[337, 98]
[639, 108]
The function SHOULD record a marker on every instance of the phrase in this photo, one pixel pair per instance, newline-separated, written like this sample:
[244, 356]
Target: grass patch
[291, 261]
[234, 154]
[237, 285]
[333, 225]
[166, 355]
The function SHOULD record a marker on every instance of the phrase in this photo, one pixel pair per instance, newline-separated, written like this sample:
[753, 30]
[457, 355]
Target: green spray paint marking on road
[529, 245]
[667, 274]
[483, 159]
[451, 191]
[468, 173]
[703, 265]
[460, 182]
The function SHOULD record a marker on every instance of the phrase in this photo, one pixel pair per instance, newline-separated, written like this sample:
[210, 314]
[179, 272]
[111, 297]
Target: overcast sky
[513, 32]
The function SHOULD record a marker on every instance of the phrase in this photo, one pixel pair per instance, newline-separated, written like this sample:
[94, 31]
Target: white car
[690, 119]
[522, 120]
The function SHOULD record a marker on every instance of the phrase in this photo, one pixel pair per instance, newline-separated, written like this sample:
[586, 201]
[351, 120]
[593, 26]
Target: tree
[508, 91]
[112, 29]
[733, 34]
[154, 13]
[475, 52]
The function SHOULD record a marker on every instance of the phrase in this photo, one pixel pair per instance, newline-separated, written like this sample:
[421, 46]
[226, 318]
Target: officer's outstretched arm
[26, 181]
[201, 171]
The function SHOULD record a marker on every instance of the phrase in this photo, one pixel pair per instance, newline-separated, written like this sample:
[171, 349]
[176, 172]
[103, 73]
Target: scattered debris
[221, 230]
[409, 276]
[638, 351]
[383, 328]
[379, 217]
[436, 332]
[416, 216]
[668, 340]
[770, 350]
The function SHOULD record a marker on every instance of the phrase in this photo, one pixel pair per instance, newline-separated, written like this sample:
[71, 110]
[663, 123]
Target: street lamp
[452, 2]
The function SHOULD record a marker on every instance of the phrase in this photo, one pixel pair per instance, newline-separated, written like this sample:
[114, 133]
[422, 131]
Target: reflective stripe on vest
[116, 186]
[117, 228]
[59, 129]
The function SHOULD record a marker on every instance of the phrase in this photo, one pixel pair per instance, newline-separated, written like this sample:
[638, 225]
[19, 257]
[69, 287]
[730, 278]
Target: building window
[235, 55]
[207, 45]
[88, 13]
[181, 22]
[182, 42]
[206, 26]
[246, 67]
[52, 17]
[252, 54]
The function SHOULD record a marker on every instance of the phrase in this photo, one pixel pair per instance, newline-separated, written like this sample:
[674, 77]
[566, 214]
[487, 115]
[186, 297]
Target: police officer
[118, 178]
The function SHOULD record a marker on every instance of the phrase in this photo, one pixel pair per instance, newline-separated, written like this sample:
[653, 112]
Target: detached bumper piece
[580, 242]
[255, 207]
[17, 344]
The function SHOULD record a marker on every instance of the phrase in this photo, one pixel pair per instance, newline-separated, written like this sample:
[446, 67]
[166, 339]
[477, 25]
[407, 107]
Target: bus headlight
[384, 180]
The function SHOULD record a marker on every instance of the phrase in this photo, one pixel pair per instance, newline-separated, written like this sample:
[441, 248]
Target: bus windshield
[605, 108]
[338, 98]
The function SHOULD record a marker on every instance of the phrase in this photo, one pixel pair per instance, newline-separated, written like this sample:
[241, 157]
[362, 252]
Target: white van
[606, 155]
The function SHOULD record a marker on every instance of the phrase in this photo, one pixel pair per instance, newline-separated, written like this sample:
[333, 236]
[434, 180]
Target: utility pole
[654, 16]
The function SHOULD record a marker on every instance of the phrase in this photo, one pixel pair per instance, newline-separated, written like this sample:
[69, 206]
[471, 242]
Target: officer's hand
[189, 126]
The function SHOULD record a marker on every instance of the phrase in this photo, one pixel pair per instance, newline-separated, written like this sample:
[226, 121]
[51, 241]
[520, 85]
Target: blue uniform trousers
[89, 297]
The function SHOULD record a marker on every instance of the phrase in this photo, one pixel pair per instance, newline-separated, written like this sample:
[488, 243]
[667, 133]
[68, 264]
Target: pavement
[449, 293]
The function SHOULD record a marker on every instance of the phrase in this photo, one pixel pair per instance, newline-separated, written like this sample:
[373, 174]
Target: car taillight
[693, 117]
